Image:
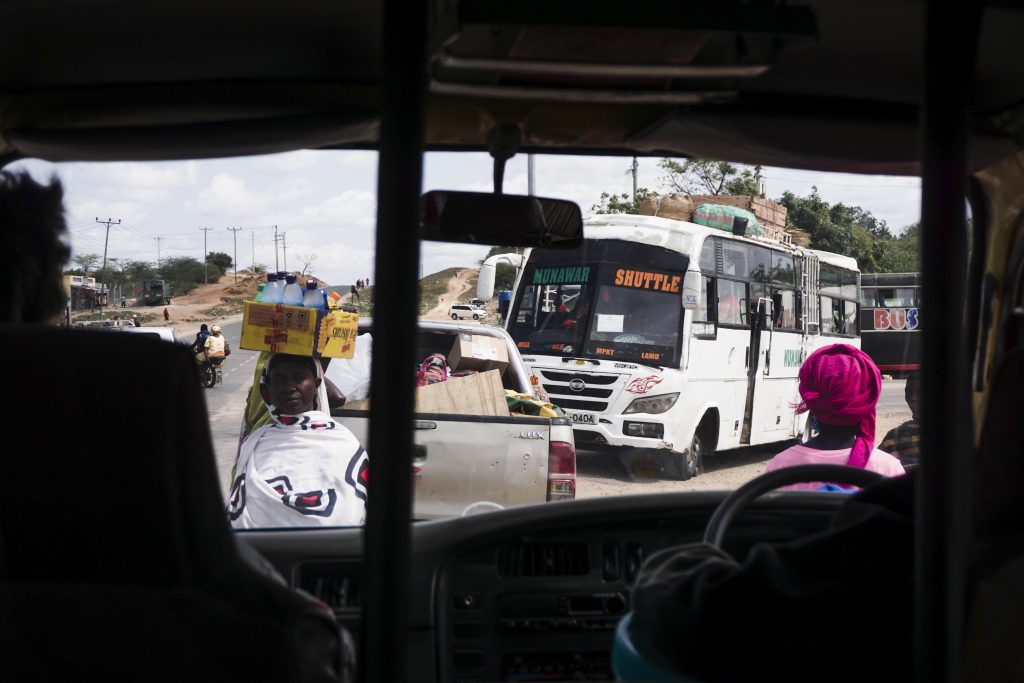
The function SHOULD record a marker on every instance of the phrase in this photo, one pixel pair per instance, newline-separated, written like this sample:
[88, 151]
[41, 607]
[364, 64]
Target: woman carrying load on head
[839, 386]
[302, 468]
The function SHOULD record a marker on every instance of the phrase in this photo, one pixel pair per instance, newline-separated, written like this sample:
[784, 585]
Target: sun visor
[820, 143]
[195, 140]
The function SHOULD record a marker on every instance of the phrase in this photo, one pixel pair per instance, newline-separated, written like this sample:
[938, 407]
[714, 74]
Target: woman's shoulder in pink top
[880, 461]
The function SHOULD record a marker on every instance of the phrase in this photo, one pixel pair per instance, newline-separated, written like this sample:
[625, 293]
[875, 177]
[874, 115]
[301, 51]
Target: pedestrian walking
[135, 320]
[124, 301]
[355, 294]
[167, 314]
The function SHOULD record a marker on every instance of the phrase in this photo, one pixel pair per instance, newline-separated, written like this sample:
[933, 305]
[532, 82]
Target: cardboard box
[478, 352]
[480, 394]
[298, 330]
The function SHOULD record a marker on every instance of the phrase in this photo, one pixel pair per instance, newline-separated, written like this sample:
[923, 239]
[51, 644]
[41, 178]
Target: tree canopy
[221, 261]
[841, 229]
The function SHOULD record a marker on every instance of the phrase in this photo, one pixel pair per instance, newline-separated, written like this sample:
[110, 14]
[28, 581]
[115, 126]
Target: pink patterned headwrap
[840, 385]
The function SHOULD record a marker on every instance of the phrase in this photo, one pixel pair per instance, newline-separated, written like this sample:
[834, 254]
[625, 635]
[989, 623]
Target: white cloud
[302, 159]
[232, 199]
[114, 175]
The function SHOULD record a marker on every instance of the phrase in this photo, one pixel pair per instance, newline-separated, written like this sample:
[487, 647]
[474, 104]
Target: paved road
[225, 403]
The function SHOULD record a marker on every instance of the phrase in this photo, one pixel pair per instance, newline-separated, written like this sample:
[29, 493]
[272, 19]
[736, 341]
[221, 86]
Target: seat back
[115, 553]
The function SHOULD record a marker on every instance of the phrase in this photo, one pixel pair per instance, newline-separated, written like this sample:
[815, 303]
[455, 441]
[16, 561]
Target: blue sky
[325, 201]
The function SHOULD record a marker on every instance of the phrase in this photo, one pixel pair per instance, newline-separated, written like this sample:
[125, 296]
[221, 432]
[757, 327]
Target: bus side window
[707, 256]
[703, 317]
[732, 302]
[784, 309]
[827, 322]
[850, 324]
[867, 297]
[734, 259]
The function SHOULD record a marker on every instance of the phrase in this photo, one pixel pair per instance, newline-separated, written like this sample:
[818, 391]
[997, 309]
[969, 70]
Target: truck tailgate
[464, 461]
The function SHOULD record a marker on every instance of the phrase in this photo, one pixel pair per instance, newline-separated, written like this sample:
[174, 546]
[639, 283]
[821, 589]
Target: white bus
[669, 339]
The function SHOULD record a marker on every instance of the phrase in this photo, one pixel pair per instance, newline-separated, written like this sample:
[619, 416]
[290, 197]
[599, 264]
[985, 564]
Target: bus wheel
[691, 462]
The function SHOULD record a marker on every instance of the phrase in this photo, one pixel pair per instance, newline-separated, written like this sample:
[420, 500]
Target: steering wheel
[769, 481]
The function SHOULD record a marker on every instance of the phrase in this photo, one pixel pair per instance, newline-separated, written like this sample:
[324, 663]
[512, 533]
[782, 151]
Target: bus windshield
[621, 302]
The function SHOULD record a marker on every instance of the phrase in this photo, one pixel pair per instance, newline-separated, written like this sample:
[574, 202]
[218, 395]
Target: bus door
[758, 361]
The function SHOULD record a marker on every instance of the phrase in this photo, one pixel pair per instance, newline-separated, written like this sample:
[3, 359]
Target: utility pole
[206, 258]
[284, 250]
[252, 268]
[636, 166]
[106, 240]
[158, 252]
[277, 265]
[235, 236]
[529, 175]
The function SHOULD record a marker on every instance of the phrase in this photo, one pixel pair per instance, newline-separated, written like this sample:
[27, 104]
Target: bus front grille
[593, 395]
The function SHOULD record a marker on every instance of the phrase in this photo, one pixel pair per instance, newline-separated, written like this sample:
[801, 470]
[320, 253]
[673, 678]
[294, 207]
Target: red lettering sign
[881, 319]
[898, 318]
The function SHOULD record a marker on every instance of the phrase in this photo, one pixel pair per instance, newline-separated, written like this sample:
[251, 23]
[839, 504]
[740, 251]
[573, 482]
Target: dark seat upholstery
[116, 560]
[996, 602]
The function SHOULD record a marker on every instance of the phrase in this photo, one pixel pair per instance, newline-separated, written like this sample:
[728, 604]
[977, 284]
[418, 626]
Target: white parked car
[462, 311]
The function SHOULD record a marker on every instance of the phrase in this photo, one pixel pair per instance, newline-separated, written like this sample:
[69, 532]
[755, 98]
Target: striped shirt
[904, 442]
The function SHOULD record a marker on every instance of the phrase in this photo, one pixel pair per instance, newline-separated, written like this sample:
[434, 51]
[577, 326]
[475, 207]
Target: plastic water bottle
[292, 292]
[272, 292]
[259, 291]
[312, 297]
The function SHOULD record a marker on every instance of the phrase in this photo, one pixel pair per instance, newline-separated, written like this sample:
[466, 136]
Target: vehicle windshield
[562, 374]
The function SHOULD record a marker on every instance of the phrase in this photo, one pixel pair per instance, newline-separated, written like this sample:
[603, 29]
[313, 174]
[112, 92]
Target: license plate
[583, 418]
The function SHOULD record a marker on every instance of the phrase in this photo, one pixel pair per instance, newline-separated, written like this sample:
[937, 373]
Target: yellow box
[299, 331]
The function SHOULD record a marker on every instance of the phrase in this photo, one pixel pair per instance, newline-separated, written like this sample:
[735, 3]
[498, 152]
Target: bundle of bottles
[283, 288]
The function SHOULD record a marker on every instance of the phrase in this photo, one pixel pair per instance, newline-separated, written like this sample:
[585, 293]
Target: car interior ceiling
[193, 80]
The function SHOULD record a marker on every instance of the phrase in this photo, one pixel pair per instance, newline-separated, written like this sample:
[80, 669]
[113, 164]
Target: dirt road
[457, 287]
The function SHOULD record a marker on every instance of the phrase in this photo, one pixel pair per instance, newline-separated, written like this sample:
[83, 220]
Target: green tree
[86, 262]
[221, 261]
[184, 273]
[748, 182]
[621, 203]
[700, 176]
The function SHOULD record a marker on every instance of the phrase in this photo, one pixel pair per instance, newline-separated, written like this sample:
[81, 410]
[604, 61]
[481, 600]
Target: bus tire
[690, 462]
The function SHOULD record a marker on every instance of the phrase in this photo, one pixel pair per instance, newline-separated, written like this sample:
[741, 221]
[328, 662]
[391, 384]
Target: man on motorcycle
[216, 349]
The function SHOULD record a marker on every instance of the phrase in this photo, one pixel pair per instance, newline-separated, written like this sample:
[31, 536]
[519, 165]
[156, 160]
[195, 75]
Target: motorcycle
[210, 371]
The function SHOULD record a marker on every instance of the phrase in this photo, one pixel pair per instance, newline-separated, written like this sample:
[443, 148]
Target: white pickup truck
[466, 464]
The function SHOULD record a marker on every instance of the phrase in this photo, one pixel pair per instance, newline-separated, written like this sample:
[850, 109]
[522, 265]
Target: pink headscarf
[840, 385]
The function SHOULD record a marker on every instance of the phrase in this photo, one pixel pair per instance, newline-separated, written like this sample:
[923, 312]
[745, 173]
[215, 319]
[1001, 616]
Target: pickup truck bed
[468, 463]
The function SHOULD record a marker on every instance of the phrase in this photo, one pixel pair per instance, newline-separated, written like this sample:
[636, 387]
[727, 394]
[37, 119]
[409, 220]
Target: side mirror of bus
[692, 282]
[500, 219]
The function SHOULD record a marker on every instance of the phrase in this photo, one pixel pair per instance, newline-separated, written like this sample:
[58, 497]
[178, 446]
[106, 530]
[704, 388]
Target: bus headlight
[651, 405]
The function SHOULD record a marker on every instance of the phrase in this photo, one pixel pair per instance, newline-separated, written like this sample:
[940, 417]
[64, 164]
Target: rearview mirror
[500, 219]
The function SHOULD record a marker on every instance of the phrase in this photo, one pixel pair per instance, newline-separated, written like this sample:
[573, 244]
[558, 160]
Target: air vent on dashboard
[337, 585]
[543, 559]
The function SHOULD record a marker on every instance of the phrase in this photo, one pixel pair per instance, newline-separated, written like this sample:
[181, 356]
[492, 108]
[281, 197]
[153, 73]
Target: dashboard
[531, 593]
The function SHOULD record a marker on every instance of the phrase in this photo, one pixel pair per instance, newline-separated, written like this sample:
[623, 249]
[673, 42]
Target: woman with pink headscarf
[839, 386]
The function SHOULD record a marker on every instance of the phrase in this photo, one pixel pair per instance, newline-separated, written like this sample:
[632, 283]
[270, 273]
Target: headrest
[107, 461]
